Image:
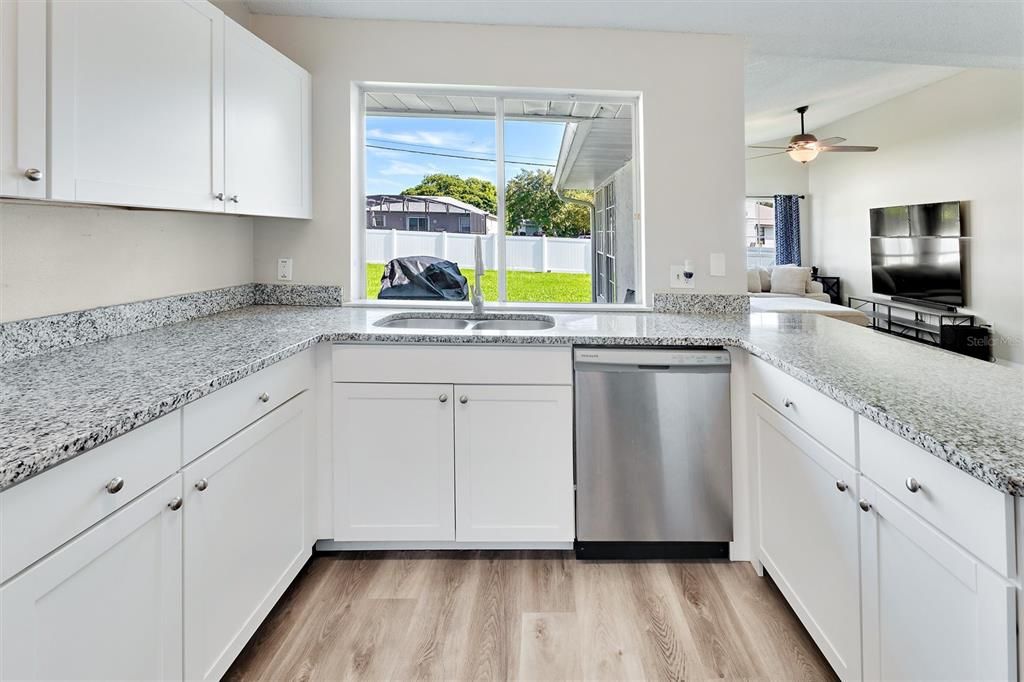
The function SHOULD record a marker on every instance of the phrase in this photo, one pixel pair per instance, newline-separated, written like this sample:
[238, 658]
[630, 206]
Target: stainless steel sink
[454, 323]
[515, 324]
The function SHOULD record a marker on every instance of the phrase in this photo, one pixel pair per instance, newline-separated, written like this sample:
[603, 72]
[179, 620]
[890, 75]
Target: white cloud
[404, 168]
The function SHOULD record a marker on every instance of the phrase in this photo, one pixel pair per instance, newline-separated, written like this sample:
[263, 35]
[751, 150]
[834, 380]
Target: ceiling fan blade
[759, 146]
[751, 158]
[829, 141]
[848, 148]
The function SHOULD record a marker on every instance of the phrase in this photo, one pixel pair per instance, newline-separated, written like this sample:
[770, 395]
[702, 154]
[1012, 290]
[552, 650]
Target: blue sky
[412, 145]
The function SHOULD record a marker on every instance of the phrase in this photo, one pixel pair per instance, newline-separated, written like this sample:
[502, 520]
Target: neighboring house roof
[421, 204]
[592, 151]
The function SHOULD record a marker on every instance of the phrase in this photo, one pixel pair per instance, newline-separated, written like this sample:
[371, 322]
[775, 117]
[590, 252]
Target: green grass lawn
[533, 287]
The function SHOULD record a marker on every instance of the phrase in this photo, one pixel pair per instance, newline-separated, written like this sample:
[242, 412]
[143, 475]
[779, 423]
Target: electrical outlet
[678, 278]
[284, 269]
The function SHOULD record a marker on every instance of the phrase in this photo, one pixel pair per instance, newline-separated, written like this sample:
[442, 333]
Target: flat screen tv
[917, 253]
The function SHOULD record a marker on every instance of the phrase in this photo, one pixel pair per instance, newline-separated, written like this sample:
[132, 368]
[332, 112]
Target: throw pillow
[766, 279]
[790, 280]
[753, 281]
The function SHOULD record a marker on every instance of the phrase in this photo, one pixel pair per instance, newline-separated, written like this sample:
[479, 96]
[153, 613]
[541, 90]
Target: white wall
[58, 258]
[958, 139]
[691, 126]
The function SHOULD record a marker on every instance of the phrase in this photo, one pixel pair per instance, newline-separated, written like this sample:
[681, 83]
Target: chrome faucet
[476, 292]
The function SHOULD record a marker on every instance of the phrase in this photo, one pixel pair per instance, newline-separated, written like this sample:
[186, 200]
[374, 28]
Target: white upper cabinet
[23, 168]
[137, 103]
[267, 160]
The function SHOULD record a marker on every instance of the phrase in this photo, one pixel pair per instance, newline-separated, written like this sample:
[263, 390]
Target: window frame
[499, 94]
[410, 228]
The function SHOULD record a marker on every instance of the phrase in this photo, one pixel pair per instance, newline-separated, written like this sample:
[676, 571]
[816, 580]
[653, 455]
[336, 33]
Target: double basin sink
[457, 322]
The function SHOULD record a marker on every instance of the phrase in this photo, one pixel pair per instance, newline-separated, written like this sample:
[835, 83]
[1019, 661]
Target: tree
[529, 196]
[479, 193]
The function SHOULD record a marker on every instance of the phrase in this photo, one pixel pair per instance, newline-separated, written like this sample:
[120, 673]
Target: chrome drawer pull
[912, 485]
[464, 399]
[174, 504]
[264, 397]
[788, 403]
[114, 485]
[202, 484]
[841, 486]
[864, 505]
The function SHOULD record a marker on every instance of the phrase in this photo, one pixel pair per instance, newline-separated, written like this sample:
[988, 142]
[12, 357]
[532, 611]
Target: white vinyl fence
[532, 254]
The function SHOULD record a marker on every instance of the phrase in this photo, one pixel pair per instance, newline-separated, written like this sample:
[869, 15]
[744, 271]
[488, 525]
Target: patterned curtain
[787, 229]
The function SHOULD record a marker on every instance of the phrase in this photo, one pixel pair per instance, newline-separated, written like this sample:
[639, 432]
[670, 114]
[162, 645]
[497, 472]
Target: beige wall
[958, 139]
[692, 125]
[59, 258]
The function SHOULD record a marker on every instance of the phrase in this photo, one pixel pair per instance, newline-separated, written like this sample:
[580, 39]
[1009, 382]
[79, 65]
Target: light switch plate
[717, 266]
[284, 269]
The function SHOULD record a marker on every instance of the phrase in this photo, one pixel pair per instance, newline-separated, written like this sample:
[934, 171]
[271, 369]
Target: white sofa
[759, 285]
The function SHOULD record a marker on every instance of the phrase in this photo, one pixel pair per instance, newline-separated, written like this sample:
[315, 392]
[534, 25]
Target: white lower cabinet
[931, 611]
[394, 462]
[107, 605]
[809, 545]
[513, 468]
[246, 534]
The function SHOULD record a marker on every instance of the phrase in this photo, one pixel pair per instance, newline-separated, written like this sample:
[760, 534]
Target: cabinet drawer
[453, 364]
[820, 416]
[973, 514]
[46, 511]
[224, 413]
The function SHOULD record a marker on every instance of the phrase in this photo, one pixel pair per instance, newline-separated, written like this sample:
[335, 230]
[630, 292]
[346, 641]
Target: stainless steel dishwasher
[653, 453]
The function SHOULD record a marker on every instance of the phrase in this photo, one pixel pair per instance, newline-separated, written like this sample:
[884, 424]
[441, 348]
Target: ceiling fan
[806, 147]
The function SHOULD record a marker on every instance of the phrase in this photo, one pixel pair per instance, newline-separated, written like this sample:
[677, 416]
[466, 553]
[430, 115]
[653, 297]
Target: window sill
[506, 306]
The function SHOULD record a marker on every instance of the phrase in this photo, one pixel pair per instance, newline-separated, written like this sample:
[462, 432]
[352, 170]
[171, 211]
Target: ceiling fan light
[803, 154]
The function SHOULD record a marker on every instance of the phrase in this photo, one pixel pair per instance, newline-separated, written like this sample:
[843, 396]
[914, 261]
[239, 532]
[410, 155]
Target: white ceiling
[833, 88]
[839, 57]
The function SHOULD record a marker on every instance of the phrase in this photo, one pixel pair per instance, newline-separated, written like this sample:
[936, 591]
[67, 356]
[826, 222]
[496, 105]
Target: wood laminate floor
[529, 616]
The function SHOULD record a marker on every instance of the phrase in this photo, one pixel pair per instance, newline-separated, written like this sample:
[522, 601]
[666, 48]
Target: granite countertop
[58, 405]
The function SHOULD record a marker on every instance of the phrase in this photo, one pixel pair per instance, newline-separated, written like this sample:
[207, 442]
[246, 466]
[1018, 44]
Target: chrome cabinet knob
[114, 485]
[463, 399]
[443, 398]
[233, 198]
[174, 504]
[219, 196]
[264, 397]
[788, 403]
[864, 505]
[202, 484]
[841, 486]
[912, 485]
[34, 174]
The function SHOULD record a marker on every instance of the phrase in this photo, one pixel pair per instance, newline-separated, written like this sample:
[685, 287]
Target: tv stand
[944, 307]
[909, 321]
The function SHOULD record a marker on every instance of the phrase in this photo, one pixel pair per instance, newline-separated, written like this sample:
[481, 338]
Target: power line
[457, 156]
[454, 149]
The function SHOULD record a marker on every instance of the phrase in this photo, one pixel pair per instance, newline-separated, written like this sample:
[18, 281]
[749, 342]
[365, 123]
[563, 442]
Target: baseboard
[361, 546]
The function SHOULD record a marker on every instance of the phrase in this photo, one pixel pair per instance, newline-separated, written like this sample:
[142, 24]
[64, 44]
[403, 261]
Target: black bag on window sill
[423, 278]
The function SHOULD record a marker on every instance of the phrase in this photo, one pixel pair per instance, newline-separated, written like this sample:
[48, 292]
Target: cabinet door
[394, 468]
[245, 534]
[137, 99]
[513, 464]
[931, 611]
[23, 99]
[105, 606]
[808, 537]
[267, 129]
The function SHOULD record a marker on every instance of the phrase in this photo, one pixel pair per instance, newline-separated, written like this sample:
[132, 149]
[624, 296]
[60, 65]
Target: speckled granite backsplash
[702, 304]
[25, 338]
